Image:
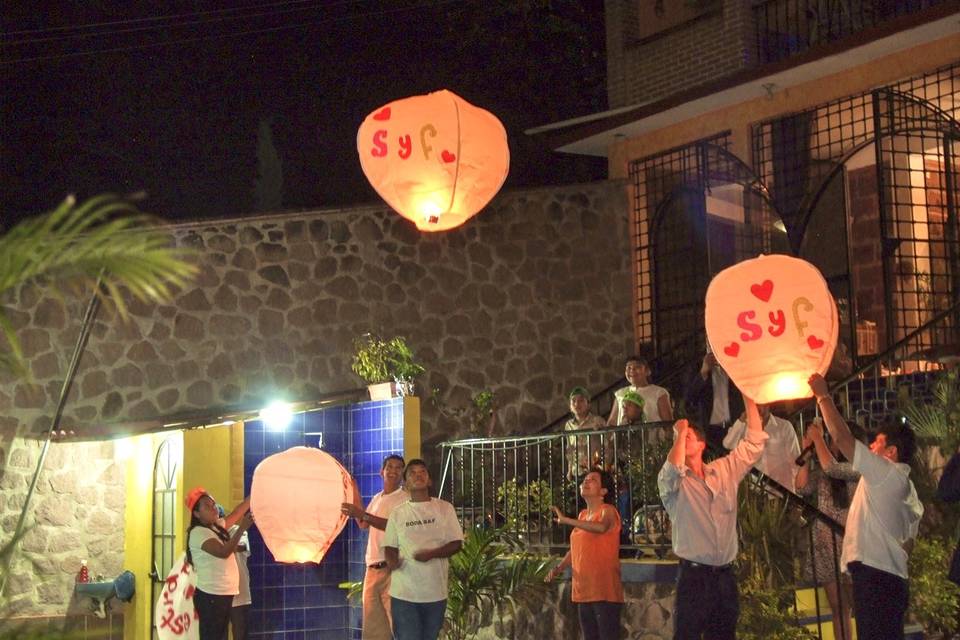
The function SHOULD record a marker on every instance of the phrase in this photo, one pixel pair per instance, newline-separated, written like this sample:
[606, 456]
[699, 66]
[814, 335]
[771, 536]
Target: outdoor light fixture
[297, 495]
[436, 159]
[771, 323]
[276, 416]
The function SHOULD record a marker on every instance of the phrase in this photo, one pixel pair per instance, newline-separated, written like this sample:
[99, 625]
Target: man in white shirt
[884, 517]
[657, 407]
[376, 581]
[701, 500]
[421, 535]
[778, 460]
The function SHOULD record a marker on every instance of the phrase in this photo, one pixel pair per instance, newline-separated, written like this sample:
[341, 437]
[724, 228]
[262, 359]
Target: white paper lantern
[295, 498]
[436, 159]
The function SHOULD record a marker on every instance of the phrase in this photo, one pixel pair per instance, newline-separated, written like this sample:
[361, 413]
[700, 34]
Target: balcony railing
[513, 482]
[788, 27]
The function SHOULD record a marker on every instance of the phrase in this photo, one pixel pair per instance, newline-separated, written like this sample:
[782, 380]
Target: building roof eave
[594, 134]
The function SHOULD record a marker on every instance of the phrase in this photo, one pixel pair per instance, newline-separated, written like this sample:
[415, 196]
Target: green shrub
[933, 598]
[524, 507]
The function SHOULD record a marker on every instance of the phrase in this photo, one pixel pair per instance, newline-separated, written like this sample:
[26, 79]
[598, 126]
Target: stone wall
[646, 615]
[528, 299]
[76, 514]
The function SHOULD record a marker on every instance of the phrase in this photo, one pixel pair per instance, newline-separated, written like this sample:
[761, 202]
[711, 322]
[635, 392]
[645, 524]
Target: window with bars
[697, 209]
[877, 171]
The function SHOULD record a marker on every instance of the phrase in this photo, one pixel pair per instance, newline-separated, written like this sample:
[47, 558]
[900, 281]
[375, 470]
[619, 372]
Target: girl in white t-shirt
[210, 550]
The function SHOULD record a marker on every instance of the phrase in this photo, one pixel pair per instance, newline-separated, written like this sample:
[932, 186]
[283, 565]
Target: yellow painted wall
[138, 527]
[213, 459]
[411, 428]
[739, 117]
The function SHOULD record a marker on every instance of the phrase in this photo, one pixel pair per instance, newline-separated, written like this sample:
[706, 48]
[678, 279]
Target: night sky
[174, 110]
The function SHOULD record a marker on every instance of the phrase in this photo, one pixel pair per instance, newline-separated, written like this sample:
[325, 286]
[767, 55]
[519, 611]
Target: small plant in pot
[387, 366]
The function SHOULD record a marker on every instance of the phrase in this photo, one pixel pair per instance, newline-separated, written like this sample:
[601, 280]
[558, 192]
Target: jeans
[707, 603]
[417, 620]
[599, 620]
[880, 602]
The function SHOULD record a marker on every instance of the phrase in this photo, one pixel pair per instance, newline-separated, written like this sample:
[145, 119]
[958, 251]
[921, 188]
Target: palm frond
[104, 238]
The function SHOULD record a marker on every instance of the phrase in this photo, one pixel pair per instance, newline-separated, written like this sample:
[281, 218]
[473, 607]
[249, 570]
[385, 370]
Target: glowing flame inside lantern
[436, 159]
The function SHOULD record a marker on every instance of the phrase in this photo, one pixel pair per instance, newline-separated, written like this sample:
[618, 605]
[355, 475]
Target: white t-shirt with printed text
[415, 526]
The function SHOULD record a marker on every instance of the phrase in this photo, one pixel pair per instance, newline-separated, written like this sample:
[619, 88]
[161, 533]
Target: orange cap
[193, 496]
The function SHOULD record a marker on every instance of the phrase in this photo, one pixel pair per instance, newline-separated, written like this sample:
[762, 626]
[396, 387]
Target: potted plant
[387, 366]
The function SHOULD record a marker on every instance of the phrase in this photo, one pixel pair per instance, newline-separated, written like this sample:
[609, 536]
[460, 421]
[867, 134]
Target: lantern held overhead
[771, 323]
[436, 159]
[295, 497]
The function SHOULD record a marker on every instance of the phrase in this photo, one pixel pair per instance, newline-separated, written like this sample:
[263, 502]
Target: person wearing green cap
[656, 400]
[582, 452]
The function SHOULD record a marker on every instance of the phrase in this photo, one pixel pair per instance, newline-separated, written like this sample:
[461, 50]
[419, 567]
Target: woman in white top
[210, 550]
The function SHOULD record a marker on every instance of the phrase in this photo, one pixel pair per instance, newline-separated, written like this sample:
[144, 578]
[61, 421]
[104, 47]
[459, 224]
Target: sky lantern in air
[771, 322]
[436, 159]
[295, 497]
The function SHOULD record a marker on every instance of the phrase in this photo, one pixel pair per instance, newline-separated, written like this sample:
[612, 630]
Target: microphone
[805, 455]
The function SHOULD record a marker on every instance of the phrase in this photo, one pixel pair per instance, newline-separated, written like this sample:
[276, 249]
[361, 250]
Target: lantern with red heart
[771, 322]
[436, 159]
[295, 497]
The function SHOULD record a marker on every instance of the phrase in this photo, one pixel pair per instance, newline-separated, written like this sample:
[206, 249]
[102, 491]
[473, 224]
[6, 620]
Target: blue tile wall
[304, 602]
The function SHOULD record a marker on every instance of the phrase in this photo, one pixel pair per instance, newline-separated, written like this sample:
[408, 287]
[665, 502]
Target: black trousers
[707, 604]
[599, 620]
[214, 612]
[880, 602]
[238, 621]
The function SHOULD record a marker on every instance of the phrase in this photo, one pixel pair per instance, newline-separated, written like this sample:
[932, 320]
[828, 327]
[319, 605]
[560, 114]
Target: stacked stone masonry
[528, 299]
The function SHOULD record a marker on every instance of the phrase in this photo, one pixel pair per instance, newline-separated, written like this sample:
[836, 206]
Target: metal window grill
[879, 169]
[652, 180]
[697, 209]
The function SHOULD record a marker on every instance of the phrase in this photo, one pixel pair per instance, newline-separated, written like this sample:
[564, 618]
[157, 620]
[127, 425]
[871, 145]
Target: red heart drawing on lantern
[382, 115]
[779, 313]
[446, 156]
[762, 291]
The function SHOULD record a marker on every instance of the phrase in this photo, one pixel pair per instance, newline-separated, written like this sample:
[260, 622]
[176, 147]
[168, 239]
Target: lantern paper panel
[436, 159]
[771, 323]
[295, 498]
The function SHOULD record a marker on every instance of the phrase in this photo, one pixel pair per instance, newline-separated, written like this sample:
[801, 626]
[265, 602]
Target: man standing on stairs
[701, 500]
[883, 520]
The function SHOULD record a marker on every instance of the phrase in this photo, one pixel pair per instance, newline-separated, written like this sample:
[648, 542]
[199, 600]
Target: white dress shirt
[779, 456]
[703, 513]
[884, 514]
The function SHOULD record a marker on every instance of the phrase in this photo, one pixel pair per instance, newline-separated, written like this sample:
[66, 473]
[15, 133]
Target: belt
[687, 564]
[378, 565]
